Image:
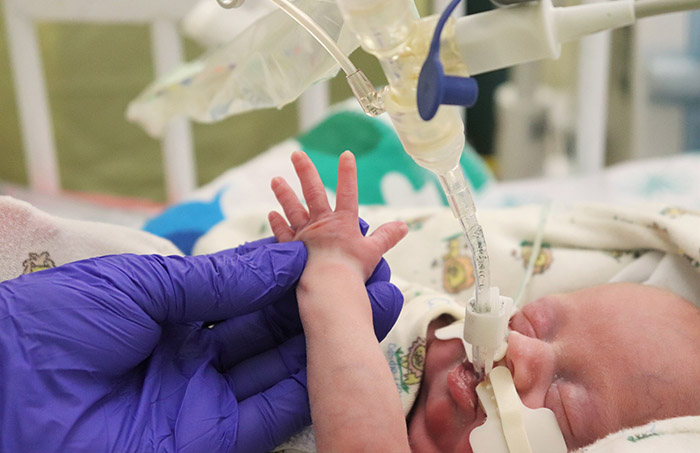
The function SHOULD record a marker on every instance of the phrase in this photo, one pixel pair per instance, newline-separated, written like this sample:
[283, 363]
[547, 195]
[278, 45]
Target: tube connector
[371, 100]
[532, 31]
[487, 332]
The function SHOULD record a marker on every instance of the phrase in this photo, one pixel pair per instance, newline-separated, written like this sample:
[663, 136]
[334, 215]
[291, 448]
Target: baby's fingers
[279, 227]
[346, 190]
[293, 209]
[311, 185]
[388, 235]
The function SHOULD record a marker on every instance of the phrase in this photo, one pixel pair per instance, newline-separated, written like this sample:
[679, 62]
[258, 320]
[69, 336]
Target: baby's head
[602, 359]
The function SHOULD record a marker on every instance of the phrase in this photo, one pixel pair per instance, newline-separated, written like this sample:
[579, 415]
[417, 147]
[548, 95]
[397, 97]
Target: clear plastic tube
[317, 32]
[459, 196]
[392, 31]
[369, 98]
[534, 254]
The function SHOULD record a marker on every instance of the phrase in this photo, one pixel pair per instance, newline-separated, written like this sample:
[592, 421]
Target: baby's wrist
[333, 287]
[329, 262]
[329, 274]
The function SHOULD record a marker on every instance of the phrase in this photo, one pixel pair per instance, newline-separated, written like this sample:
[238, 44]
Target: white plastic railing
[30, 85]
[32, 101]
[592, 114]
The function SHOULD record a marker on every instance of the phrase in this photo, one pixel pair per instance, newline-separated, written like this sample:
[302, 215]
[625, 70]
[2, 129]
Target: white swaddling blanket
[583, 246]
[33, 240]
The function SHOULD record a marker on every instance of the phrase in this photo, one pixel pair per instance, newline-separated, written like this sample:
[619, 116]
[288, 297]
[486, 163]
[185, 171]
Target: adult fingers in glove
[154, 353]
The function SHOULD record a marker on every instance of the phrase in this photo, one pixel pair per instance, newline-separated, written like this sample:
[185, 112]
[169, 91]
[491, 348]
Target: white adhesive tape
[512, 427]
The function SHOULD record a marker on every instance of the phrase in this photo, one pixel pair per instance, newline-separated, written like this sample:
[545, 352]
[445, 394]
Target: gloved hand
[118, 353]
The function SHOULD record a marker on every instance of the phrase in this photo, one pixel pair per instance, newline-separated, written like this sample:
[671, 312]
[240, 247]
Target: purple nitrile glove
[110, 353]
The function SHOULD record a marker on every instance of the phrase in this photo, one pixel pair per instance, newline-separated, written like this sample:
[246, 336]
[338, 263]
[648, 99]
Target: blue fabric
[186, 222]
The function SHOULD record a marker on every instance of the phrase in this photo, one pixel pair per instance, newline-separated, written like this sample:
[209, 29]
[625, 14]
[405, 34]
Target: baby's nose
[532, 363]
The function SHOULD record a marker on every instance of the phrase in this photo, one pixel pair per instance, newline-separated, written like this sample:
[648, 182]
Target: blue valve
[434, 87]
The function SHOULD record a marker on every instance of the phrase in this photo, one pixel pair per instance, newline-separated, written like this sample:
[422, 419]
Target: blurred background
[94, 70]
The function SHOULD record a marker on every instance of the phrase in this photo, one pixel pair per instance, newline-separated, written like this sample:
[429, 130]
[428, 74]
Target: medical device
[428, 63]
[426, 86]
[510, 426]
[427, 83]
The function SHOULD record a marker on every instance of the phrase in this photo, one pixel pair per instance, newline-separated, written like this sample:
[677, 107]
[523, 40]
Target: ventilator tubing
[392, 31]
[505, 37]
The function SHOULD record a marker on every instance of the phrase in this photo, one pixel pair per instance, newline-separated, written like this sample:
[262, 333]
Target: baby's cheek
[553, 402]
[572, 406]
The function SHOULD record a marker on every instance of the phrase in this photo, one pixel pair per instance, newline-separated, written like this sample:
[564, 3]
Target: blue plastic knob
[434, 87]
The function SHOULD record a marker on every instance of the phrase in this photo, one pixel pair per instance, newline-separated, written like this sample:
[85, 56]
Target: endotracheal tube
[457, 192]
[392, 31]
[460, 199]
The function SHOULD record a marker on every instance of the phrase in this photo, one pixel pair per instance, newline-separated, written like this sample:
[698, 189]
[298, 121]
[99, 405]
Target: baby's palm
[327, 233]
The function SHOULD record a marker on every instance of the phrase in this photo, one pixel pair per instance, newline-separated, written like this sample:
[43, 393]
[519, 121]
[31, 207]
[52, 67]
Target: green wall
[92, 73]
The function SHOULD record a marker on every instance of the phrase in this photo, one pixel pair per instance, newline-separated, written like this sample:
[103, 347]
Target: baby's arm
[354, 402]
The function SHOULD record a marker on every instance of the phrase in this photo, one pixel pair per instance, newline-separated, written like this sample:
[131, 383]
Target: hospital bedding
[88, 206]
[232, 208]
[584, 244]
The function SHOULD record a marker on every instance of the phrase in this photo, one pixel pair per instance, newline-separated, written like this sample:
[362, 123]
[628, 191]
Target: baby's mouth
[462, 382]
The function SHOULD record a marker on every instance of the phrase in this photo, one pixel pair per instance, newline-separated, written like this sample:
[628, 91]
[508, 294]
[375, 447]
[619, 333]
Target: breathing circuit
[486, 316]
[421, 98]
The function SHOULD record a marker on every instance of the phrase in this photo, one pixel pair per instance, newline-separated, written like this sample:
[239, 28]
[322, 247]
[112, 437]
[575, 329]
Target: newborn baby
[602, 359]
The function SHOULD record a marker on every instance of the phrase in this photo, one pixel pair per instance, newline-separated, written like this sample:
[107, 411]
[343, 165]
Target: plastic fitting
[532, 31]
[488, 332]
[434, 87]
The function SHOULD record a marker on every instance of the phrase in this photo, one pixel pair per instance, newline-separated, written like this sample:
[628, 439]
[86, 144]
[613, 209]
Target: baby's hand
[331, 235]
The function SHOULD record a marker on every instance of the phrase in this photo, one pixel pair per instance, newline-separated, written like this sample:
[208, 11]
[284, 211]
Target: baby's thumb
[389, 234]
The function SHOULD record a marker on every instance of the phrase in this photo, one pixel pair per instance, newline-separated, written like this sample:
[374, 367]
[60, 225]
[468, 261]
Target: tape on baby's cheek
[510, 426]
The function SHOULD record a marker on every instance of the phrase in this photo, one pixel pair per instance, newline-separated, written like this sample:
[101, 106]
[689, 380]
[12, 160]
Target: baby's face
[601, 359]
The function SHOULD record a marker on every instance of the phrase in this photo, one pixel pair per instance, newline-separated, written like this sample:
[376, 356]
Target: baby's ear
[279, 227]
